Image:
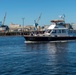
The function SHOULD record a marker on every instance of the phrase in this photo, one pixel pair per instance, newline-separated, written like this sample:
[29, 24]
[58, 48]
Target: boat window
[46, 30]
[60, 23]
[54, 31]
[63, 31]
[49, 31]
[59, 31]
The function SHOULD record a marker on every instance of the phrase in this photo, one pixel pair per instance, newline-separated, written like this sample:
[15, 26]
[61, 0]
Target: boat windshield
[60, 23]
[48, 31]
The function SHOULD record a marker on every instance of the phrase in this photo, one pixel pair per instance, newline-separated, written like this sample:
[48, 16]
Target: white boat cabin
[57, 28]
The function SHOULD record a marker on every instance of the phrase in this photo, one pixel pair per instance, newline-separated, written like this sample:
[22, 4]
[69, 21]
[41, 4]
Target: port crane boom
[36, 21]
[4, 19]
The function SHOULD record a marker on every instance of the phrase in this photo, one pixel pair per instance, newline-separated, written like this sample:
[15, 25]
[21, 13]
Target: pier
[18, 33]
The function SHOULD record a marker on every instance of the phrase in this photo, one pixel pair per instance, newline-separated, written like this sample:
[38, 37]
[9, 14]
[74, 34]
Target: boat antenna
[62, 17]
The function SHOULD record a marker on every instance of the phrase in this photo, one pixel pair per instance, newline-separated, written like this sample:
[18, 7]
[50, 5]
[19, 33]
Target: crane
[4, 27]
[4, 19]
[36, 21]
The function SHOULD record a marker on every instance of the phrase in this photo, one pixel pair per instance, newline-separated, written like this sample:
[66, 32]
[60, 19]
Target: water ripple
[18, 58]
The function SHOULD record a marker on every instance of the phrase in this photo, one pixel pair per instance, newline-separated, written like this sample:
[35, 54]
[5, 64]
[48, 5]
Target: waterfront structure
[14, 27]
[73, 25]
[4, 28]
[18, 27]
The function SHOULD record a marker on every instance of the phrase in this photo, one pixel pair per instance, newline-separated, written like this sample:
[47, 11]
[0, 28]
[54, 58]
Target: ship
[57, 31]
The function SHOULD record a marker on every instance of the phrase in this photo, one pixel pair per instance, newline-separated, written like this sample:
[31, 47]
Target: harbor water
[19, 58]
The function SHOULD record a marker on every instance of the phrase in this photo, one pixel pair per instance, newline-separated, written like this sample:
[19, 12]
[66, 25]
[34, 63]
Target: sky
[31, 9]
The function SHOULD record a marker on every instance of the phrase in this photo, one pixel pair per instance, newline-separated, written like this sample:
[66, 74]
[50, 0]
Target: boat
[57, 31]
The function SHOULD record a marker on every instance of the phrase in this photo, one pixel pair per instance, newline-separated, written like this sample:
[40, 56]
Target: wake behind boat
[57, 31]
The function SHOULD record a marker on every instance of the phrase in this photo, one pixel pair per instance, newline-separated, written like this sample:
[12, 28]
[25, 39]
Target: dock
[18, 33]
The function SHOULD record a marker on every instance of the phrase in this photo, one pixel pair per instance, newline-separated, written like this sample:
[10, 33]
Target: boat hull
[48, 38]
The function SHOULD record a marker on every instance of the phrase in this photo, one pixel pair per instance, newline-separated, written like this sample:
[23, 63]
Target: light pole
[23, 25]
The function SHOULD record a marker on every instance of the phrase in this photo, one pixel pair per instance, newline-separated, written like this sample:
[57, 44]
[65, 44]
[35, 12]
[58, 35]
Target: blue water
[18, 58]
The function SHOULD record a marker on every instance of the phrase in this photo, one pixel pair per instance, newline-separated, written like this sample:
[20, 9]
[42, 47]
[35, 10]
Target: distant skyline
[31, 9]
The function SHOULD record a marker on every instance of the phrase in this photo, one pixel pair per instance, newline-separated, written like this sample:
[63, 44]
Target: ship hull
[48, 38]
